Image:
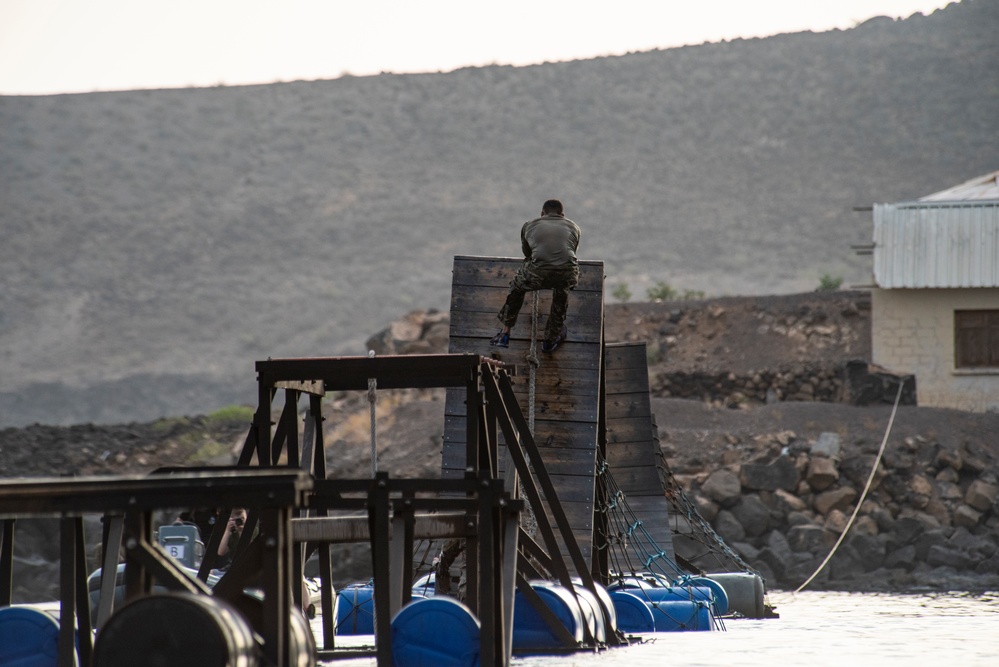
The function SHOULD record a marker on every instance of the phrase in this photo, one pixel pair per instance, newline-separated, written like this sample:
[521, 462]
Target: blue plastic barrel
[719, 598]
[633, 614]
[701, 593]
[679, 615]
[531, 631]
[435, 632]
[28, 638]
[355, 610]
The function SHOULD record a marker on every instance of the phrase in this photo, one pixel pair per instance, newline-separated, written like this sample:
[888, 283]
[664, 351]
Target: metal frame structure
[127, 504]
[491, 407]
[482, 508]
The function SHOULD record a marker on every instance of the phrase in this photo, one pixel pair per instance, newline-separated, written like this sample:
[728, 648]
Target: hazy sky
[57, 46]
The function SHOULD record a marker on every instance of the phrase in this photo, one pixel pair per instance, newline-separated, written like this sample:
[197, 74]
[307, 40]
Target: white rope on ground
[372, 397]
[863, 496]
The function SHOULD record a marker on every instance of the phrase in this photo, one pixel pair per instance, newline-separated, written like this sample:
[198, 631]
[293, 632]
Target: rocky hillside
[157, 243]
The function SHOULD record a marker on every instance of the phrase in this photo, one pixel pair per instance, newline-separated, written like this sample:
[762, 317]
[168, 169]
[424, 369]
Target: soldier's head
[552, 207]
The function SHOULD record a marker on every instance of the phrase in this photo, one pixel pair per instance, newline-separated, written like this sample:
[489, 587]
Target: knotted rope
[528, 520]
[534, 361]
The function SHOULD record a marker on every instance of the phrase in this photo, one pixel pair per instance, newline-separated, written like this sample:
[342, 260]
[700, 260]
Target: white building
[935, 305]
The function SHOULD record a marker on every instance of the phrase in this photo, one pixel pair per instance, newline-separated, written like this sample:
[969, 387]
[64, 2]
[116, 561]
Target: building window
[976, 338]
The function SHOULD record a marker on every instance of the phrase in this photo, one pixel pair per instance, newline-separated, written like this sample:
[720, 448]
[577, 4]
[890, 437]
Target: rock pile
[417, 332]
[930, 519]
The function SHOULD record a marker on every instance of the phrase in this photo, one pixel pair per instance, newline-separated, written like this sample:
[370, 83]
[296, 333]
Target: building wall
[912, 331]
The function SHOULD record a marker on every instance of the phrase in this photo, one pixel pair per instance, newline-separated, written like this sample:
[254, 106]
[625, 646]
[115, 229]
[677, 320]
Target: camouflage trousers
[530, 278]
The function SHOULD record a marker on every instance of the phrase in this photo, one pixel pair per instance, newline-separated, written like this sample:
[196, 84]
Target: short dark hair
[553, 206]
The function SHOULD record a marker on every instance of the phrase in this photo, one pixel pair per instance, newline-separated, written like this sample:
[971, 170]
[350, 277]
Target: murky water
[817, 629]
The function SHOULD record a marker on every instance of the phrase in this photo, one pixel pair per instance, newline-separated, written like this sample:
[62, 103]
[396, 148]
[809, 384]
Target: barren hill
[157, 243]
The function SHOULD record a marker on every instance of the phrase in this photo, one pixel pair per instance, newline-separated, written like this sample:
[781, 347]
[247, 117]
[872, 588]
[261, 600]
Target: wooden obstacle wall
[632, 450]
[567, 385]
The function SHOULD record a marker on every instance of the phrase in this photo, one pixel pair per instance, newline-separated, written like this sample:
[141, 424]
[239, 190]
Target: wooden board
[631, 444]
[567, 384]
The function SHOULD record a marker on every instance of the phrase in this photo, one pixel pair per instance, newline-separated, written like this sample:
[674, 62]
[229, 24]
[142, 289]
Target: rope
[372, 397]
[534, 361]
[863, 496]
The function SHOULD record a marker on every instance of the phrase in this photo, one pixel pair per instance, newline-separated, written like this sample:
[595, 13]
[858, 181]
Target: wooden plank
[630, 430]
[632, 454]
[347, 529]
[573, 488]
[627, 377]
[493, 271]
[624, 355]
[572, 355]
[626, 406]
[655, 521]
[638, 480]
[468, 324]
[588, 306]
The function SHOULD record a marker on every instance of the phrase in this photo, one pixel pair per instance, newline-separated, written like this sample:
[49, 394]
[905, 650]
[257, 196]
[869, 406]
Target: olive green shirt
[550, 242]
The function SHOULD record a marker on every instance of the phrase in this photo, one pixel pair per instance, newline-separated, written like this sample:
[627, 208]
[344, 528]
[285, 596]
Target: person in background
[233, 532]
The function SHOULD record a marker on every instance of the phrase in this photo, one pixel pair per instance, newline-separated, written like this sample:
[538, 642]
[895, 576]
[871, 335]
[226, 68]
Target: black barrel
[172, 630]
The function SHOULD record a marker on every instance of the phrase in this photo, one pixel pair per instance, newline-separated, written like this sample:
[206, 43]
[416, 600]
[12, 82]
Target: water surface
[817, 629]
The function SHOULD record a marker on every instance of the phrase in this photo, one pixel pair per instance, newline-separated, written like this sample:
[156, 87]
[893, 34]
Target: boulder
[780, 474]
[905, 558]
[789, 501]
[927, 541]
[822, 473]
[919, 484]
[966, 516]
[723, 487]
[828, 445]
[866, 525]
[907, 529]
[840, 498]
[949, 459]
[870, 549]
[981, 495]
[706, 507]
[940, 555]
[752, 514]
[799, 519]
[836, 521]
[777, 553]
[729, 527]
[808, 538]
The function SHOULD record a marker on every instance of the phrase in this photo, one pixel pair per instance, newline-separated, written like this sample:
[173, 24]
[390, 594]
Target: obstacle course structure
[567, 438]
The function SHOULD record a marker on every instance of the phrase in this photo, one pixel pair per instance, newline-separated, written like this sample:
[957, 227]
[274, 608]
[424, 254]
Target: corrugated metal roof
[982, 187]
[938, 245]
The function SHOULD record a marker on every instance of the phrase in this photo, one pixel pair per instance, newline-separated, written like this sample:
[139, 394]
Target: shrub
[231, 414]
[661, 292]
[829, 284]
[621, 293]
